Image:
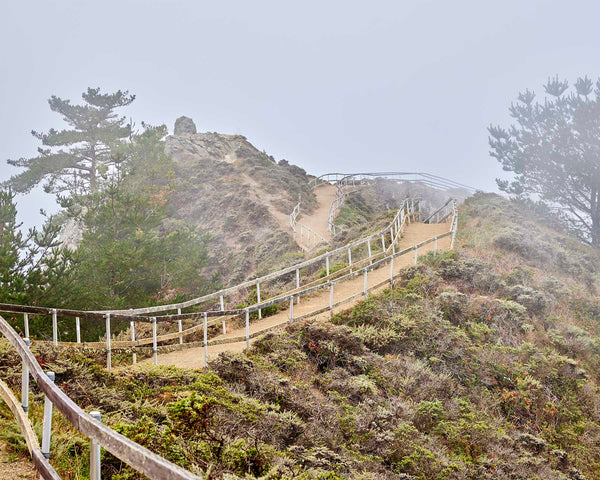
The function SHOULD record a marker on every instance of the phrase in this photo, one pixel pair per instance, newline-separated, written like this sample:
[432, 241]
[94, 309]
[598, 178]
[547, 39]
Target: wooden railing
[131, 453]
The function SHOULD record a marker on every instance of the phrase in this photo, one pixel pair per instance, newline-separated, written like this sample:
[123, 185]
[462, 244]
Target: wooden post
[258, 299]
[291, 309]
[205, 340]
[47, 427]
[223, 309]
[298, 282]
[108, 344]
[154, 346]
[392, 272]
[78, 329]
[435, 246]
[54, 327]
[365, 284]
[350, 259]
[26, 324]
[327, 265]
[95, 451]
[416, 254]
[383, 244]
[247, 329]
[369, 251]
[25, 383]
[180, 326]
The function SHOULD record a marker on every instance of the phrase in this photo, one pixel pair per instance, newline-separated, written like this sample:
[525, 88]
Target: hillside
[480, 363]
[241, 196]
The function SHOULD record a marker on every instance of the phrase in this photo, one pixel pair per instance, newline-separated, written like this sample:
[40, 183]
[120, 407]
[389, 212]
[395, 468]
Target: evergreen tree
[554, 151]
[12, 243]
[72, 161]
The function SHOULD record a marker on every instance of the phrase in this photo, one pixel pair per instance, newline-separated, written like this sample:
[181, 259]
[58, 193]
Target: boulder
[184, 126]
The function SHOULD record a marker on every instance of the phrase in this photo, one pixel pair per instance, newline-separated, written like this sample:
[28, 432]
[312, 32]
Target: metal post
[365, 285]
[54, 327]
[331, 299]
[154, 347]
[292, 309]
[25, 383]
[258, 299]
[132, 328]
[416, 254]
[180, 326]
[247, 329]
[78, 329]
[392, 272]
[223, 309]
[205, 340]
[369, 251]
[108, 345]
[327, 265]
[47, 427]
[26, 324]
[298, 282]
[95, 451]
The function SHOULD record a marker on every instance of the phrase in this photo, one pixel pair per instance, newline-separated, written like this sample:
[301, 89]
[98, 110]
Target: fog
[335, 86]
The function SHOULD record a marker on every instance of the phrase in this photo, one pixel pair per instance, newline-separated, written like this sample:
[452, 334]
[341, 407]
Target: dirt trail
[413, 234]
[318, 219]
[20, 469]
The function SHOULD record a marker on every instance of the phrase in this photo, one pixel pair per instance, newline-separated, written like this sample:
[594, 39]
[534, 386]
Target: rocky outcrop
[184, 126]
[190, 149]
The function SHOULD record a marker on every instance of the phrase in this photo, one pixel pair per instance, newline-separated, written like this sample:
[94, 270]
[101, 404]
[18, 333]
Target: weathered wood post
[205, 340]
[54, 327]
[247, 329]
[416, 253]
[327, 265]
[383, 244]
[435, 246]
[154, 345]
[180, 326]
[258, 299]
[369, 250]
[108, 344]
[47, 427]
[392, 272]
[365, 284]
[77, 329]
[95, 451]
[291, 309]
[25, 383]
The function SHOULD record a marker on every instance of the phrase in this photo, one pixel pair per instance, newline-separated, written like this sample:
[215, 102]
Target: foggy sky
[330, 86]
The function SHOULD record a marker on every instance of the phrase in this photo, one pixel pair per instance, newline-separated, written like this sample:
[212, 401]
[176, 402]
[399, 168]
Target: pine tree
[554, 152]
[72, 162]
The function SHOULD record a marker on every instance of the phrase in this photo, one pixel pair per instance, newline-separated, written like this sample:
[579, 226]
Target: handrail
[128, 451]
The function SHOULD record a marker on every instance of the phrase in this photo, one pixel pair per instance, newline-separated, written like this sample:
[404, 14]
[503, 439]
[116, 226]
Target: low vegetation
[480, 363]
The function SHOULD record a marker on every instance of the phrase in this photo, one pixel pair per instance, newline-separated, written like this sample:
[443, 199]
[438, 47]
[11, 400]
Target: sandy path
[20, 469]
[414, 233]
[318, 219]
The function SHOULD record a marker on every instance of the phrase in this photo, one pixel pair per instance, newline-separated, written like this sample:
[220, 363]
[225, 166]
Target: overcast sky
[330, 86]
